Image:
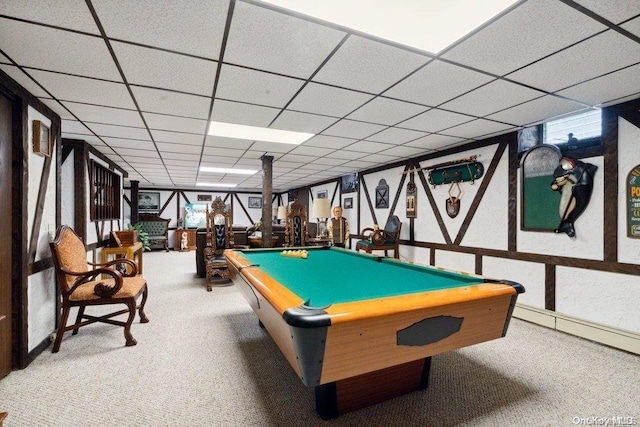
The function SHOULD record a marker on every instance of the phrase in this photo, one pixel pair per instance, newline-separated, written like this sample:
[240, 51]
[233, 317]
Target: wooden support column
[267, 190]
[134, 201]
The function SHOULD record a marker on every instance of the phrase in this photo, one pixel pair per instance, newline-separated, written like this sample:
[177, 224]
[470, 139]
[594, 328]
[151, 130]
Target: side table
[133, 252]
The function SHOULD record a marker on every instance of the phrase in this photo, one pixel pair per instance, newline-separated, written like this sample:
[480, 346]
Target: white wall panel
[457, 261]
[602, 297]
[528, 274]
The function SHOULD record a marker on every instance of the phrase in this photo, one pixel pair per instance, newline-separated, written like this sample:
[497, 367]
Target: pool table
[362, 328]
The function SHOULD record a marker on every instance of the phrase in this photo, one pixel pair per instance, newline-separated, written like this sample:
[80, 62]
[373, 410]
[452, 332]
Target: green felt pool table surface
[332, 275]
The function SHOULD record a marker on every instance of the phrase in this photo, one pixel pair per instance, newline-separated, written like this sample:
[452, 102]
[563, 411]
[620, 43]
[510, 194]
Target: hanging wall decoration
[382, 194]
[574, 180]
[412, 200]
[633, 203]
[453, 202]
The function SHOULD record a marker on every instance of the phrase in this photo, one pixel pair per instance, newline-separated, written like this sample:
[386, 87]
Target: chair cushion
[130, 287]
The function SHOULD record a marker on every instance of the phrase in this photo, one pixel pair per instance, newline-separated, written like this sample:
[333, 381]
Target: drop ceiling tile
[58, 108]
[615, 12]
[177, 124]
[272, 41]
[477, 129]
[396, 135]
[379, 159]
[256, 87]
[353, 129]
[243, 114]
[185, 138]
[156, 68]
[118, 131]
[225, 152]
[75, 127]
[327, 100]
[57, 50]
[436, 83]
[117, 143]
[297, 158]
[386, 111]
[165, 148]
[73, 14]
[217, 141]
[491, 98]
[311, 151]
[368, 65]
[137, 155]
[435, 120]
[345, 155]
[606, 88]
[110, 115]
[403, 151]
[535, 111]
[578, 63]
[271, 147]
[195, 27]
[302, 122]
[80, 89]
[434, 141]
[172, 103]
[633, 26]
[329, 142]
[24, 80]
[369, 147]
[507, 44]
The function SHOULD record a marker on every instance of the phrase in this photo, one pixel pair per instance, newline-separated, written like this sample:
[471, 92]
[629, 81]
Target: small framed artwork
[349, 183]
[323, 194]
[255, 202]
[204, 197]
[348, 203]
[148, 201]
[41, 139]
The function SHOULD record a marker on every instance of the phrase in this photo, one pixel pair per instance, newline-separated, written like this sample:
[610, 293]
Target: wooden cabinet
[191, 239]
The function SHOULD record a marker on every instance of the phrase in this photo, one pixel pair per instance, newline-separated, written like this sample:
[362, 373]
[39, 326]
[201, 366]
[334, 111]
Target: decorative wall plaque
[633, 203]
[382, 194]
[412, 200]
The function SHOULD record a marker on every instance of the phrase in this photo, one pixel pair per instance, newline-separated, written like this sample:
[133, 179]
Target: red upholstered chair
[382, 240]
[82, 283]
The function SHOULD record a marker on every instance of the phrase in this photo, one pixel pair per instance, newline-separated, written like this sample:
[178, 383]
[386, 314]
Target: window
[105, 193]
[573, 132]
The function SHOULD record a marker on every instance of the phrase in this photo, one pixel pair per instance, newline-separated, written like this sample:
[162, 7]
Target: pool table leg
[350, 394]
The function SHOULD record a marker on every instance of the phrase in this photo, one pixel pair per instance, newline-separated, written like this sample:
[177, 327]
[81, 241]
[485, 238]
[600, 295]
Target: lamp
[322, 211]
[282, 213]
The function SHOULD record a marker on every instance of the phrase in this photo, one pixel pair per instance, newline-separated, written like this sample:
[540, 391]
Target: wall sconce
[322, 211]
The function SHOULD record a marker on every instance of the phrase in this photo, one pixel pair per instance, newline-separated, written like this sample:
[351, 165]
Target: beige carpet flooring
[203, 361]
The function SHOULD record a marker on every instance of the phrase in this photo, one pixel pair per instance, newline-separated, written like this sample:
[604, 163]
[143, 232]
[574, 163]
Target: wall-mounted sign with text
[633, 203]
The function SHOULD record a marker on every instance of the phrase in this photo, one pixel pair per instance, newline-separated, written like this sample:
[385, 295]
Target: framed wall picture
[349, 183]
[148, 201]
[348, 203]
[255, 202]
[41, 138]
[323, 194]
[195, 215]
[204, 197]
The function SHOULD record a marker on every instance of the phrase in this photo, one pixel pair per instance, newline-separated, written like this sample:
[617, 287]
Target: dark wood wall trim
[609, 266]
[550, 287]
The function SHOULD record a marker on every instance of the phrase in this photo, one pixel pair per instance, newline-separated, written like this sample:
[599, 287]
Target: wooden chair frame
[120, 288]
[296, 210]
[381, 240]
[215, 263]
